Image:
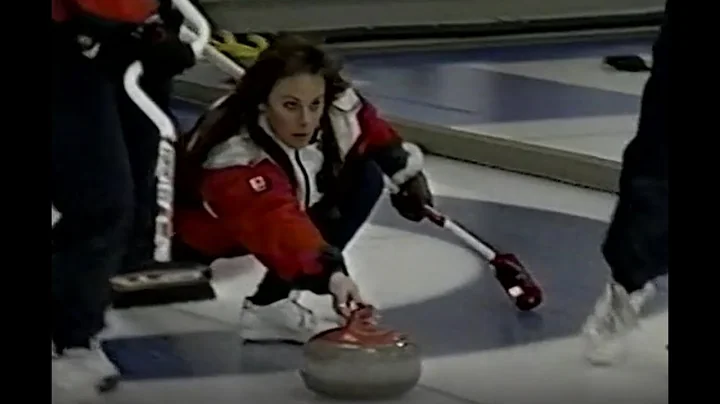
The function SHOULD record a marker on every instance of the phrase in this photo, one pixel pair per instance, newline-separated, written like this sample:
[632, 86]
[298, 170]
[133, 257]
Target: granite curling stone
[361, 361]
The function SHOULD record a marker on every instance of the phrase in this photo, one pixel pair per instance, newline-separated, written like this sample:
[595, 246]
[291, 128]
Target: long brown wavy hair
[288, 55]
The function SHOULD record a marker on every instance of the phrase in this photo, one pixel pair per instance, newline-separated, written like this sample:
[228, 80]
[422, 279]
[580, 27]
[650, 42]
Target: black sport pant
[636, 245]
[103, 156]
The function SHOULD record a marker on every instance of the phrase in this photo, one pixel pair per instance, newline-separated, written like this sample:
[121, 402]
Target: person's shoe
[81, 375]
[283, 321]
[615, 315]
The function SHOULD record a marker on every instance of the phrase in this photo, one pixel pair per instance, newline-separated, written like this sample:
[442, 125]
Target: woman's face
[294, 108]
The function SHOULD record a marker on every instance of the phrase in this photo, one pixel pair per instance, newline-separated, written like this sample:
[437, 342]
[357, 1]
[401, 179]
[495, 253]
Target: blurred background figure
[636, 244]
[103, 154]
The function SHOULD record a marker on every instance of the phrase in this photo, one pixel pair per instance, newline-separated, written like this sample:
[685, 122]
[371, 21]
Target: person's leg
[142, 139]
[636, 244]
[340, 217]
[270, 313]
[91, 188]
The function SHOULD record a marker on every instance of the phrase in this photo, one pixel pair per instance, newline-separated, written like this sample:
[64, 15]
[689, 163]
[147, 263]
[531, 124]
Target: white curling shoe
[283, 321]
[615, 315]
[82, 376]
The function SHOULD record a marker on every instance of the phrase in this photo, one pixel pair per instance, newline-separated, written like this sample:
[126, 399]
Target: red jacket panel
[254, 207]
[130, 11]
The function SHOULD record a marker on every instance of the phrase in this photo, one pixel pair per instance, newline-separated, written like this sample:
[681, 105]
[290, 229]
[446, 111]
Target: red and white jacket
[249, 201]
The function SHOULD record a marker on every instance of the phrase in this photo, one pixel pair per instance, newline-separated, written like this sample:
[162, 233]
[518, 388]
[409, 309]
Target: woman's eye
[316, 105]
[290, 105]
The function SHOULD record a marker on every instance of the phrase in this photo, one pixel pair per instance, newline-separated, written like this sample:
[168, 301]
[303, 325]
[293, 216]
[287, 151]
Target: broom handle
[461, 232]
[442, 220]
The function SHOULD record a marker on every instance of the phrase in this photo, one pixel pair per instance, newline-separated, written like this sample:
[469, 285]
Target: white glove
[345, 294]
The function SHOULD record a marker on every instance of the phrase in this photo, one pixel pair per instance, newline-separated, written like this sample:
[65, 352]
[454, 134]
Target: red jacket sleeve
[376, 132]
[379, 140]
[258, 208]
[130, 11]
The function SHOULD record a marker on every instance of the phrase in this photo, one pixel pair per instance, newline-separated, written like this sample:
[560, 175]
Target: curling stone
[361, 361]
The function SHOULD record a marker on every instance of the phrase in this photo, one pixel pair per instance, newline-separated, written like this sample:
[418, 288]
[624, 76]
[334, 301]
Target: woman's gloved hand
[412, 198]
[345, 294]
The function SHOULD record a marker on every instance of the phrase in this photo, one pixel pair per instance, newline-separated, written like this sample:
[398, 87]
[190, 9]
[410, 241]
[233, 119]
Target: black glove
[162, 53]
[159, 49]
[414, 195]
